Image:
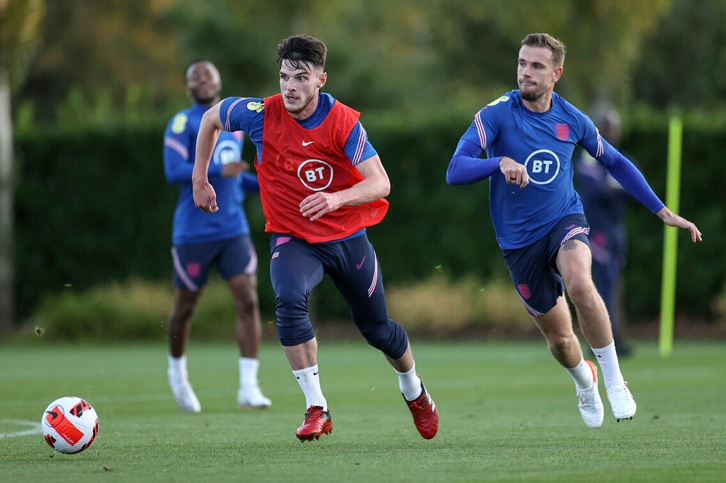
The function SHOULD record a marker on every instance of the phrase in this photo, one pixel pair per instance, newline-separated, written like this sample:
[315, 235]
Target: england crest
[523, 290]
[562, 131]
[194, 269]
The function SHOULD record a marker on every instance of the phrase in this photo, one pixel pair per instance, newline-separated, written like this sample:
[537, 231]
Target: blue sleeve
[249, 182]
[629, 177]
[590, 138]
[467, 167]
[243, 114]
[176, 168]
[179, 144]
[357, 147]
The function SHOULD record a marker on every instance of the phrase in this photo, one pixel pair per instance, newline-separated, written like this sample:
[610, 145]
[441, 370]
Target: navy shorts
[192, 261]
[297, 266]
[534, 268]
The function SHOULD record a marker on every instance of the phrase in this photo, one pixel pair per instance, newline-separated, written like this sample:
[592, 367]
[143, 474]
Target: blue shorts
[534, 268]
[192, 261]
[297, 266]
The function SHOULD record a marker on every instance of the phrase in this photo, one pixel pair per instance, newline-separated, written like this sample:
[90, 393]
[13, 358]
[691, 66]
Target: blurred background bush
[93, 84]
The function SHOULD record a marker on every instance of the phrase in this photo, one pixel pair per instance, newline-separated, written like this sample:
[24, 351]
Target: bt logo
[315, 174]
[226, 152]
[542, 166]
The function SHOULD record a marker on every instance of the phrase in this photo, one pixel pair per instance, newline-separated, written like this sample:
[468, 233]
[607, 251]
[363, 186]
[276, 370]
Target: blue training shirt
[192, 225]
[544, 144]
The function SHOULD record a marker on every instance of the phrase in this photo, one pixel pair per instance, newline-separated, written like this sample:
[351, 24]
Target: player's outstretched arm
[375, 186]
[671, 219]
[204, 196]
[466, 167]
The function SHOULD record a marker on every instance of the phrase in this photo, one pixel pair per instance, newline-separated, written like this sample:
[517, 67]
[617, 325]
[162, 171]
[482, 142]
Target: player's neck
[541, 104]
[206, 103]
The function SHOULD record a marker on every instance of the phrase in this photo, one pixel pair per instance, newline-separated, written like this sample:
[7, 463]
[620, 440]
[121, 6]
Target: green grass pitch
[508, 413]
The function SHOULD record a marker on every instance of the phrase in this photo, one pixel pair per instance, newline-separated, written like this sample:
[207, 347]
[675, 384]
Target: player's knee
[290, 301]
[293, 322]
[183, 310]
[294, 331]
[247, 301]
[581, 291]
[559, 342]
[388, 337]
[562, 342]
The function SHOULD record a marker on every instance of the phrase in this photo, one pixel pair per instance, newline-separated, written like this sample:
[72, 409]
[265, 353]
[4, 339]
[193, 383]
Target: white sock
[309, 381]
[410, 384]
[609, 365]
[248, 372]
[582, 374]
[178, 368]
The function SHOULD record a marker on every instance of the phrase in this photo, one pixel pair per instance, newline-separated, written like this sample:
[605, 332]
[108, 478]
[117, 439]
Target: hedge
[92, 206]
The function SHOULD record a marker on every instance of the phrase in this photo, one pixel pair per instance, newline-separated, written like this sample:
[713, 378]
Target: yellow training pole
[670, 239]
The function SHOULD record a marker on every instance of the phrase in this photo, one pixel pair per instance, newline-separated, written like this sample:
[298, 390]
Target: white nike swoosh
[306, 143]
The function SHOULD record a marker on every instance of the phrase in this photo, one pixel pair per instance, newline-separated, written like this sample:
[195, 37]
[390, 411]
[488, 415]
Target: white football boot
[589, 402]
[184, 394]
[252, 398]
[621, 401]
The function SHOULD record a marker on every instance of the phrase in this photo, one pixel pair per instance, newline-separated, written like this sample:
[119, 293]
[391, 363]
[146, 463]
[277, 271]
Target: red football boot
[316, 422]
[425, 414]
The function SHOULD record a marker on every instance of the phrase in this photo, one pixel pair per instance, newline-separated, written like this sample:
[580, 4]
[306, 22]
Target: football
[70, 425]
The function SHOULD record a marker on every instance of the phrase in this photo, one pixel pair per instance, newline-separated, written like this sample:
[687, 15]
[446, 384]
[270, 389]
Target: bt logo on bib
[542, 166]
[315, 174]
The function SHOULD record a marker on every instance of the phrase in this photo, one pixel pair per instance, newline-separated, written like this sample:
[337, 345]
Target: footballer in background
[200, 240]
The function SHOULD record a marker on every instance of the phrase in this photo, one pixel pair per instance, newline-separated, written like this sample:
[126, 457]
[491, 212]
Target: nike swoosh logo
[315, 373]
[307, 143]
[357, 267]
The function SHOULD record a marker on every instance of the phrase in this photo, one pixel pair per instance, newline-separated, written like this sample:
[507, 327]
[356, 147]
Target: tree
[402, 56]
[101, 59]
[19, 25]
[477, 41]
[684, 62]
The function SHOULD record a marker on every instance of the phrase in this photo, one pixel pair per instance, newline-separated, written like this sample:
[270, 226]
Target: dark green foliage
[701, 271]
[683, 62]
[91, 317]
[93, 207]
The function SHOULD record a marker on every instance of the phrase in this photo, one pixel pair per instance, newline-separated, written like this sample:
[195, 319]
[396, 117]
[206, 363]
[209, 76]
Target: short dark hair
[302, 51]
[192, 63]
[548, 42]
